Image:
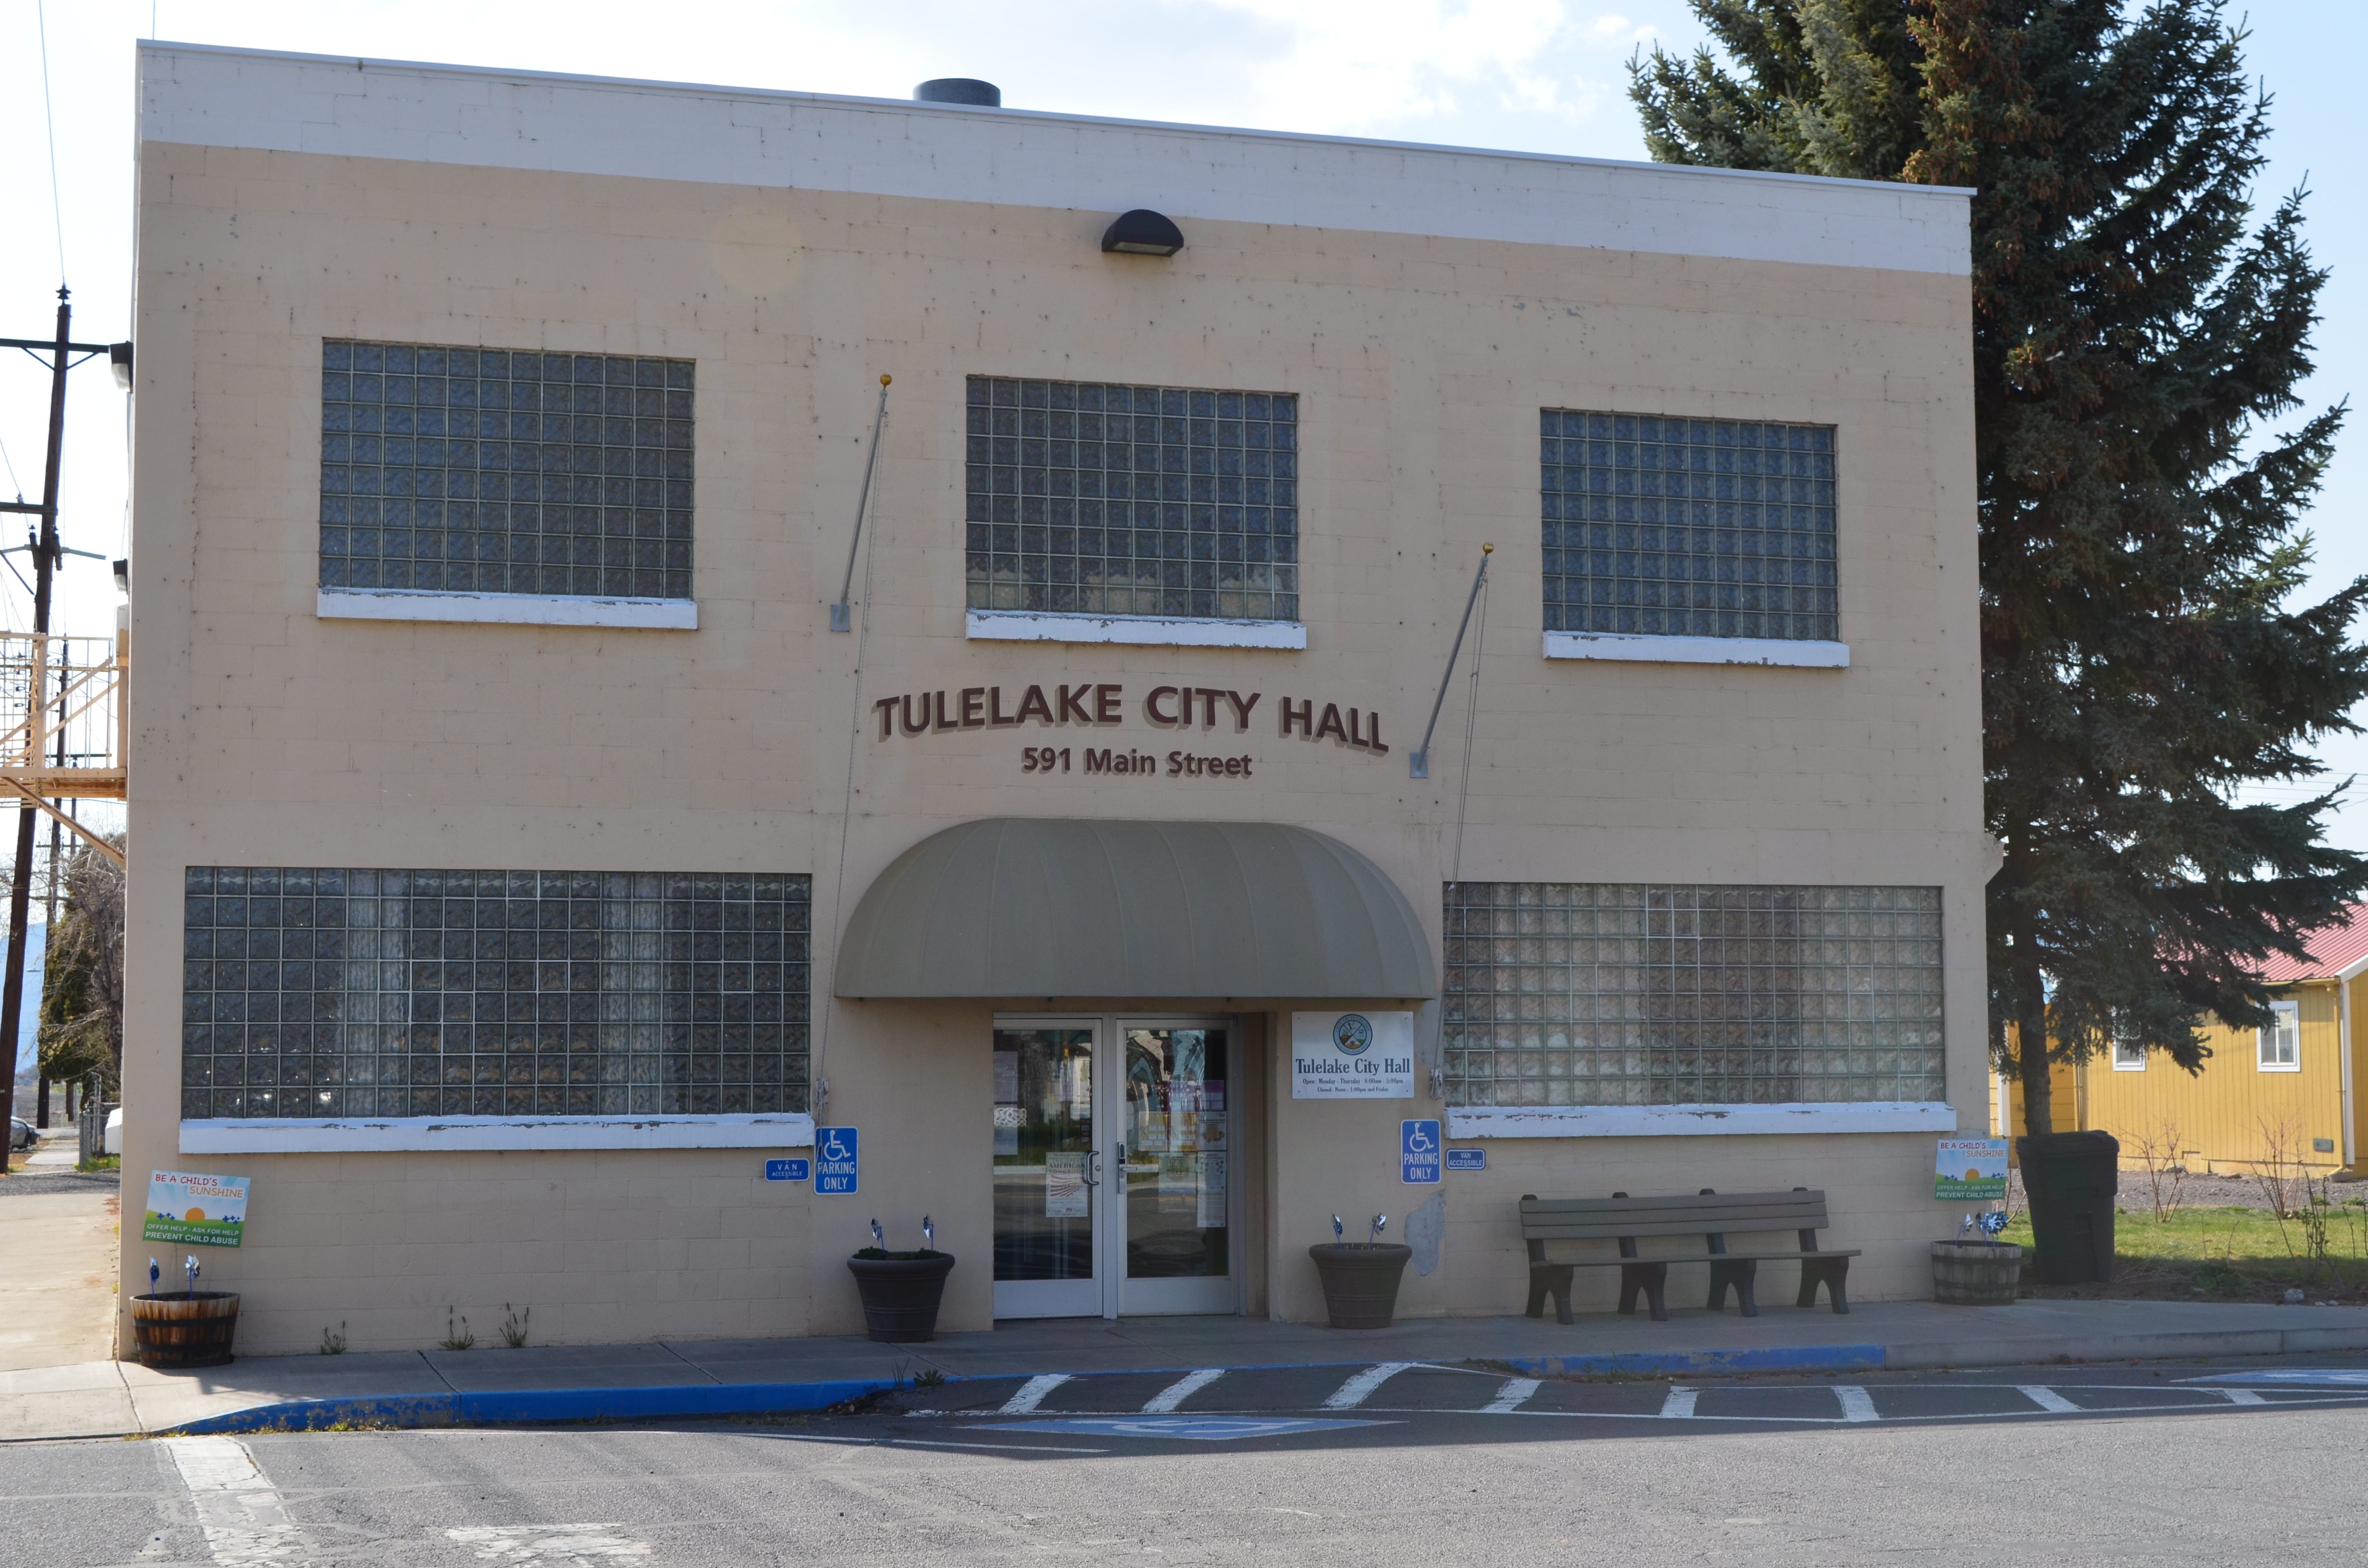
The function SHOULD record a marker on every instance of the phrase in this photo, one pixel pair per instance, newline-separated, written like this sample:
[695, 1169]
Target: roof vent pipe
[959, 90]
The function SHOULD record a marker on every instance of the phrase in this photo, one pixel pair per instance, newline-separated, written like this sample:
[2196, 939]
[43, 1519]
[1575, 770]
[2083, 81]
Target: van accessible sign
[1352, 1056]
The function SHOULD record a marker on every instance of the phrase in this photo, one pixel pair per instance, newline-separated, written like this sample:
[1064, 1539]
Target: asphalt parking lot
[2139, 1462]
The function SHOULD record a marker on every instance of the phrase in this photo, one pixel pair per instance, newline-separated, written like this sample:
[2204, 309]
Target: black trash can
[2071, 1179]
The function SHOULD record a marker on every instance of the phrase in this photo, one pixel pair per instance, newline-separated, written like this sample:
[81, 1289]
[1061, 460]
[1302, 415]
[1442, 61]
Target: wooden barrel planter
[1976, 1274]
[1360, 1280]
[901, 1292]
[184, 1329]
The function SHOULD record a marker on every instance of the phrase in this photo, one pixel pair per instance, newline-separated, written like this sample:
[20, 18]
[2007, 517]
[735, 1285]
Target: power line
[11, 464]
[49, 114]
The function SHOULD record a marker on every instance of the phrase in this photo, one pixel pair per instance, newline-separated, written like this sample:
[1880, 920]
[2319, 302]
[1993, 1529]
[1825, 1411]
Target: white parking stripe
[1511, 1396]
[1182, 1389]
[1359, 1389]
[1857, 1403]
[1032, 1392]
[2238, 1396]
[1678, 1405]
[2045, 1398]
[237, 1507]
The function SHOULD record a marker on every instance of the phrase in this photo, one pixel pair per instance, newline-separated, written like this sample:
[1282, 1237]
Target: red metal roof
[2333, 949]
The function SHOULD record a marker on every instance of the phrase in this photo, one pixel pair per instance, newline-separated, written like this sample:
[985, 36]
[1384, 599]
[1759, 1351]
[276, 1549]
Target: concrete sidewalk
[57, 1298]
[653, 1381]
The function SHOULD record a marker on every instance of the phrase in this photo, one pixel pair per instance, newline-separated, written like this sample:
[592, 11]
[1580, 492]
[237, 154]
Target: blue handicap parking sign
[1418, 1152]
[788, 1170]
[835, 1159]
[1467, 1159]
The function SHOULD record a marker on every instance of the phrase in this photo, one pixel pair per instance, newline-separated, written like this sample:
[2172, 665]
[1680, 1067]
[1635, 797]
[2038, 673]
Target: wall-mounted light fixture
[1143, 233]
[118, 359]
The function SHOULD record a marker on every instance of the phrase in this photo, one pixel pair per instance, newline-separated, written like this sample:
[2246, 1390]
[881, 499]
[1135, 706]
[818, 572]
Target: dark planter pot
[2071, 1179]
[901, 1293]
[185, 1330]
[1360, 1280]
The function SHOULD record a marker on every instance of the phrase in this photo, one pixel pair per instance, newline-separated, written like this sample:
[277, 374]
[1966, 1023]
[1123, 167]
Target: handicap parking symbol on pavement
[1418, 1152]
[836, 1159]
[1195, 1428]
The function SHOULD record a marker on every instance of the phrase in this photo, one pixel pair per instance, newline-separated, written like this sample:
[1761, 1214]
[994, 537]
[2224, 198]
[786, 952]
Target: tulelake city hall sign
[1101, 705]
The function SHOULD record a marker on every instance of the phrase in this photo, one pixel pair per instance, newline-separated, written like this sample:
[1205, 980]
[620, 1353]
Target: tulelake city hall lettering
[1102, 705]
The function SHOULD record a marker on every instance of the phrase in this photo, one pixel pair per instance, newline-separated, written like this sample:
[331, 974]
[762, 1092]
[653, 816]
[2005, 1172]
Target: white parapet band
[1697, 650]
[373, 1134]
[1027, 626]
[1697, 1121]
[506, 609]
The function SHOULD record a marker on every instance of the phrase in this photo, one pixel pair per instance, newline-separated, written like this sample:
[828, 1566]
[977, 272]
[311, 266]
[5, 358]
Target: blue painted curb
[1660, 1363]
[533, 1406]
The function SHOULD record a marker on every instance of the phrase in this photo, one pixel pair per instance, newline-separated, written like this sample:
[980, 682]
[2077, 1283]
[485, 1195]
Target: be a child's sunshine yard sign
[1970, 1168]
[195, 1210]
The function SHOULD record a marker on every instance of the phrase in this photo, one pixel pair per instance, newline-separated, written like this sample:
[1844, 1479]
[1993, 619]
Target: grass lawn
[2227, 1255]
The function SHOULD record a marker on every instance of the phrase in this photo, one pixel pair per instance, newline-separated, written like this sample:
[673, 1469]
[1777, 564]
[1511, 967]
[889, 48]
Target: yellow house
[2281, 1096]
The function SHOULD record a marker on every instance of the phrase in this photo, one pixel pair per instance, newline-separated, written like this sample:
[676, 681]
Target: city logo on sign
[1418, 1152]
[788, 1170]
[835, 1160]
[1352, 1034]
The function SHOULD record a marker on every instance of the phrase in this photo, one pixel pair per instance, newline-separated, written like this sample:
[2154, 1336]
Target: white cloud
[1365, 64]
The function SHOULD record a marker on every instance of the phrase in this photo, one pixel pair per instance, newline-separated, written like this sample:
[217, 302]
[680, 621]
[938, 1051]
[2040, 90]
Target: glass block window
[482, 471]
[1563, 993]
[375, 993]
[1688, 528]
[1109, 500]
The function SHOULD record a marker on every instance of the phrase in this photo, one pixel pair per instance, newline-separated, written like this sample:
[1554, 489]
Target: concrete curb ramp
[535, 1407]
[698, 1400]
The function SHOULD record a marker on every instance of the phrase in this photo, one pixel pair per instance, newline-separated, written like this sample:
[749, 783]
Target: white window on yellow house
[2129, 1056]
[2281, 1044]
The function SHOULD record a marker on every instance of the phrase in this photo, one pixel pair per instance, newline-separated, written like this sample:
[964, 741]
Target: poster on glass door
[1064, 1187]
[1211, 1210]
[1352, 1056]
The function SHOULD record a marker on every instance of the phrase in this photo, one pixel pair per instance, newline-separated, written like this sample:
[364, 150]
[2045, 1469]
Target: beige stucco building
[503, 800]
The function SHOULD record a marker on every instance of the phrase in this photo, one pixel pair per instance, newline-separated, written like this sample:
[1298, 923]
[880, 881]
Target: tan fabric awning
[1015, 906]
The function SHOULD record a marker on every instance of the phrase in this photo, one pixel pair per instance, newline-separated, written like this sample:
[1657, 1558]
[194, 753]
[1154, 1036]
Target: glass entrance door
[1127, 1210]
[1179, 1187]
[1047, 1242]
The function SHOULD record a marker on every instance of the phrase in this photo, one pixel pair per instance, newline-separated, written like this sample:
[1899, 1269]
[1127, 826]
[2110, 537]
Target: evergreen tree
[2134, 331]
[81, 975]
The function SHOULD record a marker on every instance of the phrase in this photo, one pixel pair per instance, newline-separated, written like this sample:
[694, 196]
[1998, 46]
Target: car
[21, 1134]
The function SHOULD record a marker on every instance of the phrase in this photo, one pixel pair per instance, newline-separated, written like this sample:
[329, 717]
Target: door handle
[1093, 1161]
[1121, 1158]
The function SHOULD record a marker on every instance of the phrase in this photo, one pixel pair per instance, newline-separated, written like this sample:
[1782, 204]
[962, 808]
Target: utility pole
[46, 555]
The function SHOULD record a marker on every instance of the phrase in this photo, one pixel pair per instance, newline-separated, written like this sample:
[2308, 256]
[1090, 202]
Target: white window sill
[506, 609]
[1697, 650]
[1698, 1120]
[394, 1134]
[2129, 1066]
[2279, 1066]
[1027, 626]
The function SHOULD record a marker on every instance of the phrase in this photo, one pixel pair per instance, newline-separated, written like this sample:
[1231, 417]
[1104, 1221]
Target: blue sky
[1543, 76]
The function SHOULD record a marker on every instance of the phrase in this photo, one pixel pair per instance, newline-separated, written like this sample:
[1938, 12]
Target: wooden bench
[1711, 1215]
